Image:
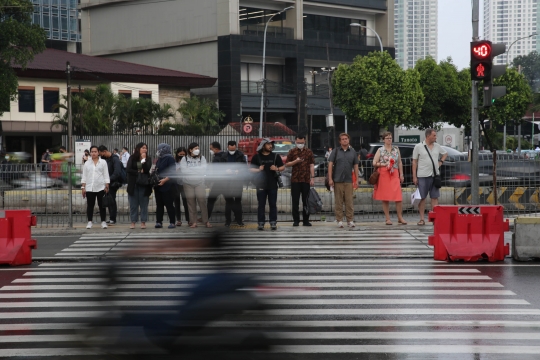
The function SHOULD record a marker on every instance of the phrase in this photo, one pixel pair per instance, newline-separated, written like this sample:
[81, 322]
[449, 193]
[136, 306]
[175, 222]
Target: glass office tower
[60, 19]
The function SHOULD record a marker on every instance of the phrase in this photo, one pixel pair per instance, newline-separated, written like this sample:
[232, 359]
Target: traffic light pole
[475, 136]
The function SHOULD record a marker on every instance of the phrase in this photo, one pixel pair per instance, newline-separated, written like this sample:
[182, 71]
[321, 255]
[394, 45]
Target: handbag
[107, 200]
[374, 177]
[437, 182]
[142, 179]
[154, 179]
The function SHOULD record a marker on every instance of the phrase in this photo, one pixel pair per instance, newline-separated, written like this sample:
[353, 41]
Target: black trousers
[297, 189]
[181, 196]
[91, 202]
[113, 209]
[165, 199]
[215, 191]
[234, 204]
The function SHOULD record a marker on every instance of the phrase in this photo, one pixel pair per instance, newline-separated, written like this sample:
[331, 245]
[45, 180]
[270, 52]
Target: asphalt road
[391, 302]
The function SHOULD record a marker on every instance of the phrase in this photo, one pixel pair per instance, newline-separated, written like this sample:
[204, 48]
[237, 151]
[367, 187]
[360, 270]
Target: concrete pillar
[384, 25]
[228, 17]
[295, 19]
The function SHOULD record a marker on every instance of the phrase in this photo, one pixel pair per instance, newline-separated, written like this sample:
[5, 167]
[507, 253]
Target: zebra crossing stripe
[407, 349]
[403, 311]
[255, 271]
[380, 323]
[416, 335]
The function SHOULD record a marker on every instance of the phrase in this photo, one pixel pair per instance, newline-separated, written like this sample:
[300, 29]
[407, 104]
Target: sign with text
[80, 146]
[409, 139]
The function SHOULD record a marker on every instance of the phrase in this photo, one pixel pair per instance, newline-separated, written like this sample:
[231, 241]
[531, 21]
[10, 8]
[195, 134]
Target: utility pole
[475, 136]
[69, 147]
[330, 117]
[80, 115]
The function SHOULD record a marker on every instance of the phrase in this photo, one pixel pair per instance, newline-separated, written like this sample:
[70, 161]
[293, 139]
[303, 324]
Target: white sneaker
[351, 224]
[89, 225]
[340, 224]
[103, 225]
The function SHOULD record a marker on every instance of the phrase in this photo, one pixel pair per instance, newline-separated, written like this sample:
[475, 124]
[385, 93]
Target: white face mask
[196, 152]
[300, 146]
[232, 152]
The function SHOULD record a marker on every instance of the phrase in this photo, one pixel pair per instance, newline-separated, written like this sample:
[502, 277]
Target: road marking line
[414, 311]
[408, 349]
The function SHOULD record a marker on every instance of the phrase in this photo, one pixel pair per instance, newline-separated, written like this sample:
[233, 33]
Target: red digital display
[482, 51]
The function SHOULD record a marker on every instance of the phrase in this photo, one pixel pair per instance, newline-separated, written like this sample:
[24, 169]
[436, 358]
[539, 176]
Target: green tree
[375, 88]
[530, 68]
[92, 111]
[202, 115]
[456, 109]
[514, 104]
[20, 40]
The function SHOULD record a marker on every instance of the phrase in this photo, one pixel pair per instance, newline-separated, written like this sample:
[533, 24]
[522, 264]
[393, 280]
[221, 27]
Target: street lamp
[330, 117]
[367, 27]
[263, 74]
[508, 51]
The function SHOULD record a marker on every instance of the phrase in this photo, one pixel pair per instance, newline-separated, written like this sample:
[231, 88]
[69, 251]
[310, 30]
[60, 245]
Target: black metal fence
[44, 191]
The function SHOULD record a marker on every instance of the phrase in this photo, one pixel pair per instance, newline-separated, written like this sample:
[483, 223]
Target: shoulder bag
[374, 177]
[437, 182]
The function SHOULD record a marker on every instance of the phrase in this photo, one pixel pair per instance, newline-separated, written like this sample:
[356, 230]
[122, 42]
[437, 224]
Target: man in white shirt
[422, 170]
[124, 156]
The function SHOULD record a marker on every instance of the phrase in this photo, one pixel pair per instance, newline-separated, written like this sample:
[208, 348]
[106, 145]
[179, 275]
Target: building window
[27, 99]
[145, 95]
[125, 93]
[51, 98]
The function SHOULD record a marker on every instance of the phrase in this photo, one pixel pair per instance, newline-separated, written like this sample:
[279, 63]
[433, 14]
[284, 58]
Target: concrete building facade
[26, 123]
[509, 20]
[224, 39]
[415, 31]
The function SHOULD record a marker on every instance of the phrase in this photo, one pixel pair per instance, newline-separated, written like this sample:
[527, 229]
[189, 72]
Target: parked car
[456, 170]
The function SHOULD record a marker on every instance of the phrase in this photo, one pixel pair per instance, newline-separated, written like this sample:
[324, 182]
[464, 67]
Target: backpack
[123, 175]
[314, 202]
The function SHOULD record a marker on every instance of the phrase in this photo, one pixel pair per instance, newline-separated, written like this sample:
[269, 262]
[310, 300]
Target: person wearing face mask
[233, 193]
[181, 195]
[216, 188]
[193, 168]
[302, 161]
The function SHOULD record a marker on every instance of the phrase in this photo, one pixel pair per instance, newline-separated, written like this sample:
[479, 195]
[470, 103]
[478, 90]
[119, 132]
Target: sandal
[193, 226]
[402, 222]
[388, 222]
[421, 223]
[178, 223]
[208, 225]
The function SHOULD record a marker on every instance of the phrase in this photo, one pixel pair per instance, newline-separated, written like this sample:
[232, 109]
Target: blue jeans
[138, 200]
[272, 201]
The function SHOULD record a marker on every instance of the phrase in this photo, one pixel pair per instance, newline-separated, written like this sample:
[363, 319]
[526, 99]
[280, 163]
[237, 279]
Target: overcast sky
[455, 30]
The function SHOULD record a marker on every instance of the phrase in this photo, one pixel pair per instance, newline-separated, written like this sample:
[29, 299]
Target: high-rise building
[224, 39]
[415, 31]
[506, 21]
[60, 19]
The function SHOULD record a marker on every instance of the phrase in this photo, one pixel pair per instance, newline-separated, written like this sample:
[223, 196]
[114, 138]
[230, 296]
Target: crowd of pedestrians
[180, 179]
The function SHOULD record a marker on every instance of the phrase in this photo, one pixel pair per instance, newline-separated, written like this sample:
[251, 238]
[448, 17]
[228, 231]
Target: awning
[29, 126]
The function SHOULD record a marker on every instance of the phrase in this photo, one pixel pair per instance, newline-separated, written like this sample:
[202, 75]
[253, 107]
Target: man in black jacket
[114, 166]
[216, 189]
[233, 195]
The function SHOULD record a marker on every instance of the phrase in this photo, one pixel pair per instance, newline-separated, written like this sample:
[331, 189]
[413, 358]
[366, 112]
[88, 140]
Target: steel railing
[43, 189]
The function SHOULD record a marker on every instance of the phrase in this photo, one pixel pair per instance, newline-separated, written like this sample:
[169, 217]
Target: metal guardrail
[43, 189]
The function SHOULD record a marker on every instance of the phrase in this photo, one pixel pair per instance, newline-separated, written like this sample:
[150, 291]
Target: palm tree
[201, 114]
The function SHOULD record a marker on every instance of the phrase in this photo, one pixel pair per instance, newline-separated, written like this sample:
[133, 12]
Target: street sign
[449, 140]
[80, 146]
[410, 139]
[469, 210]
[248, 128]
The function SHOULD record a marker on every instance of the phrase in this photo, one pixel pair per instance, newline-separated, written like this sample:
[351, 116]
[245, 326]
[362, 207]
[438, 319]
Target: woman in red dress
[387, 161]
